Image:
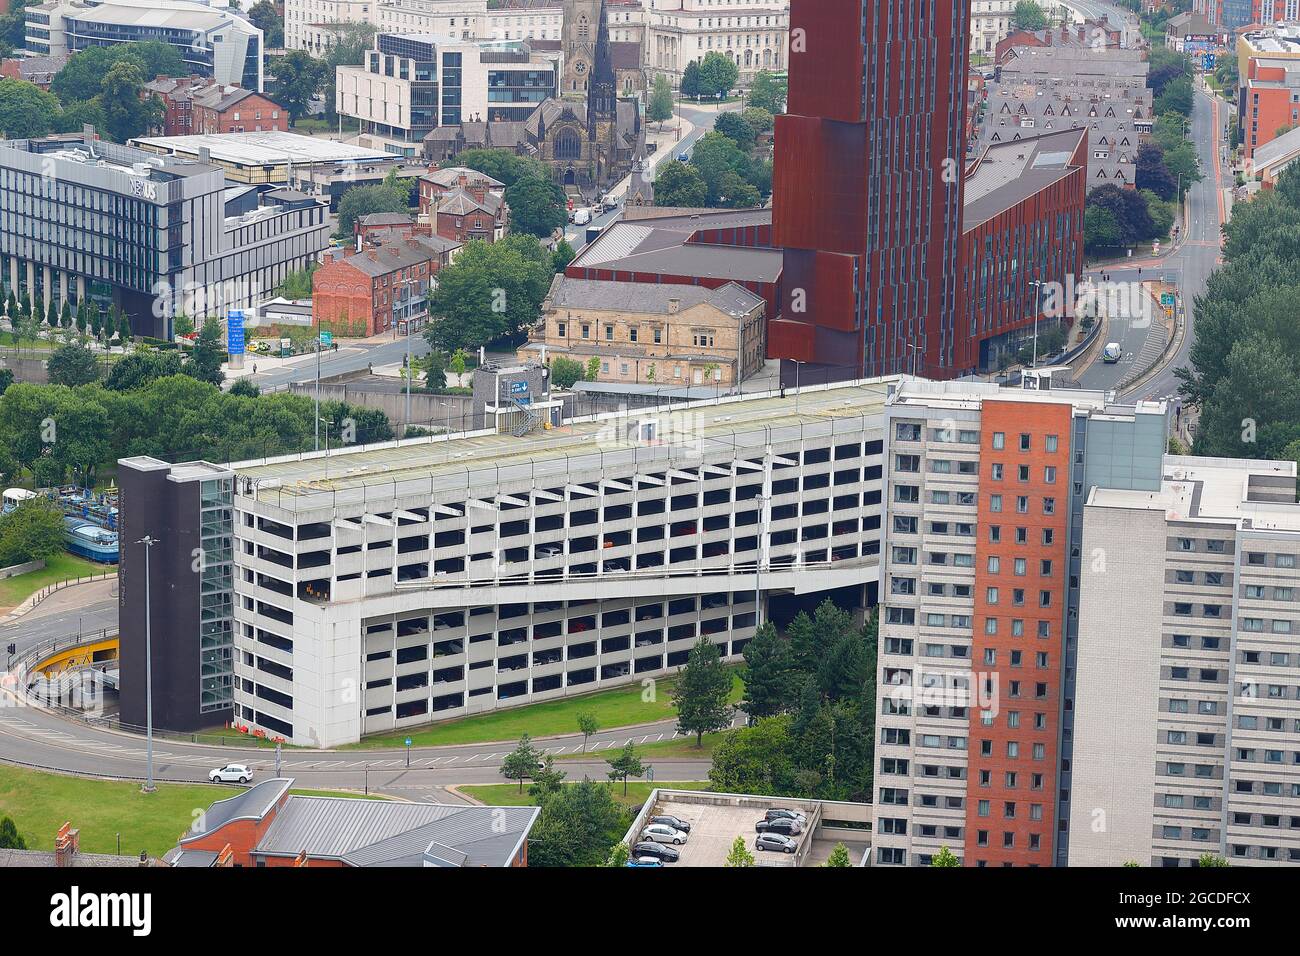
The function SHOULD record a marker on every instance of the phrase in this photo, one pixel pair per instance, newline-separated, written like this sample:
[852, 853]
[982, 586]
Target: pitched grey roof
[252, 804]
[649, 298]
[1007, 173]
[1279, 148]
[387, 833]
[385, 219]
[449, 176]
[660, 245]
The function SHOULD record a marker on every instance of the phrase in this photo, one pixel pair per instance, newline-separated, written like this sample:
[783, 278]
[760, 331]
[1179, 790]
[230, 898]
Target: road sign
[286, 348]
[235, 332]
[1208, 62]
[518, 388]
[408, 741]
[326, 338]
[1167, 298]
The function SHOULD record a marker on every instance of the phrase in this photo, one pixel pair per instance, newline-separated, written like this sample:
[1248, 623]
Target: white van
[1111, 353]
[581, 217]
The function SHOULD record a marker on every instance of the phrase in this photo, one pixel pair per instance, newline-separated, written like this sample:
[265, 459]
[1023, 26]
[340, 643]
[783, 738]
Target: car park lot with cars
[714, 828]
[777, 831]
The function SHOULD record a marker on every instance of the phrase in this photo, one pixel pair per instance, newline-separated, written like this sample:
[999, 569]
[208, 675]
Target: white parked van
[1111, 353]
[581, 217]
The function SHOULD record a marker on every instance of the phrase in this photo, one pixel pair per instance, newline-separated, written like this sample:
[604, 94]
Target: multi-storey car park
[982, 546]
[1188, 729]
[381, 587]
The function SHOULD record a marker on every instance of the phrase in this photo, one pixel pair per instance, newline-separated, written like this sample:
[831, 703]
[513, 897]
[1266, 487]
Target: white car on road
[231, 773]
[662, 833]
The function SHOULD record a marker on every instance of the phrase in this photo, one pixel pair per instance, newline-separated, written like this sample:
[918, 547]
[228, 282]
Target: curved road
[1189, 266]
[35, 737]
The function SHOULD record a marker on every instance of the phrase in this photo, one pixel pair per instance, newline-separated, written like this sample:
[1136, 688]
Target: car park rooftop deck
[716, 820]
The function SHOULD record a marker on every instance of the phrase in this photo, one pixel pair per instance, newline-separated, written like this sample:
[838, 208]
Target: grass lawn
[683, 747]
[619, 707]
[40, 803]
[63, 565]
[508, 795]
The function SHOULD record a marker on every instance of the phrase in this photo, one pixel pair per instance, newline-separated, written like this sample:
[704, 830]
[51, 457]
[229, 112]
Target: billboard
[235, 332]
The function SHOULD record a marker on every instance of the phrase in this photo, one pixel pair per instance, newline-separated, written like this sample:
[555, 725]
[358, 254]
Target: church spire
[602, 92]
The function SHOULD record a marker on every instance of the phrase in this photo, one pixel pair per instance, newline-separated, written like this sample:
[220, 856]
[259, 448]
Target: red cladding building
[867, 188]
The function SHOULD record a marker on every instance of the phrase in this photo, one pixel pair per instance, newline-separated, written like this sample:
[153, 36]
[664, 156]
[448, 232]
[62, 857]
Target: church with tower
[591, 136]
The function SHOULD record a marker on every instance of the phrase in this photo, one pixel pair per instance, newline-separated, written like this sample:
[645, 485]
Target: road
[35, 737]
[702, 120]
[1190, 265]
[67, 614]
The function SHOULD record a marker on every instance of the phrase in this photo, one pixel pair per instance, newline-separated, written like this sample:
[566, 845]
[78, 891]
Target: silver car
[663, 833]
[775, 841]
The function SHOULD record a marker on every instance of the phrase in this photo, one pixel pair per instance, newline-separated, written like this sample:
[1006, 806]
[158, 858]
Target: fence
[39, 596]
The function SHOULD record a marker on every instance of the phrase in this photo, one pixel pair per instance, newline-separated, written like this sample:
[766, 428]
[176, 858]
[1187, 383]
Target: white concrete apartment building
[990, 21]
[382, 587]
[753, 33]
[1188, 726]
[312, 24]
[978, 629]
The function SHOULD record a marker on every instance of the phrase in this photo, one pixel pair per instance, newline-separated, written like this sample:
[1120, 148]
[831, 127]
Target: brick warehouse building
[867, 188]
[1024, 205]
[379, 288]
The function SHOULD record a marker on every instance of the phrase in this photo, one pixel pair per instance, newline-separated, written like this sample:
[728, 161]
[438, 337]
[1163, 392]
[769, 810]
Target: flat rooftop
[1251, 493]
[267, 148]
[716, 820]
[314, 480]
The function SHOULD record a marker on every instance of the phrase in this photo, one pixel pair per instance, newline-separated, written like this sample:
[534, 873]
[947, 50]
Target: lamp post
[148, 541]
[1038, 294]
[797, 363]
[915, 349]
[448, 406]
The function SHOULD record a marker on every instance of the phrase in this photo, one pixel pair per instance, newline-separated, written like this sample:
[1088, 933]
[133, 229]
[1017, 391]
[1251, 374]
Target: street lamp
[915, 349]
[448, 406]
[148, 541]
[1038, 294]
[797, 363]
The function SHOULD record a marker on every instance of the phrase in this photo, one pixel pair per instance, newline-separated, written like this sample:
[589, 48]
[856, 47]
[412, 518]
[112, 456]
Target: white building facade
[753, 33]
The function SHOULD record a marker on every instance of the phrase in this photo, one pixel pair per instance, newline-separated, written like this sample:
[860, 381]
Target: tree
[366, 200]
[1028, 15]
[739, 855]
[945, 857]
[10, 839]
[626, 764]
[183, 325]
[578, 826]
[1183, 164]
[31, 532]
[767, 92]
[680, 184]
[768, 674]
[718, 74]
[72, 365]
[492, 291]
[691, 79]
[140, 369]
[1128, 208]
[127, 111]
[593, 368]
[702, 692]
[755, 759]
[1176, 98]
[587, 723]
[619, 855]
[546, 781]
[266, 18]
[26, 110]
[735, 128]
[207, 355]
[457, 365]
[759, 119]
[1153, 174]
[1210, 860]
[243, 386]
[562, 255]
[536, 206]
[523, 762]
[1100, 230]
[660, 108]
[297, 80]
[839, 857]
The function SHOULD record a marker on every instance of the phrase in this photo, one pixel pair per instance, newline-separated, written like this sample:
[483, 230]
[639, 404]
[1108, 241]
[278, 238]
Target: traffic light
[13, 649]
